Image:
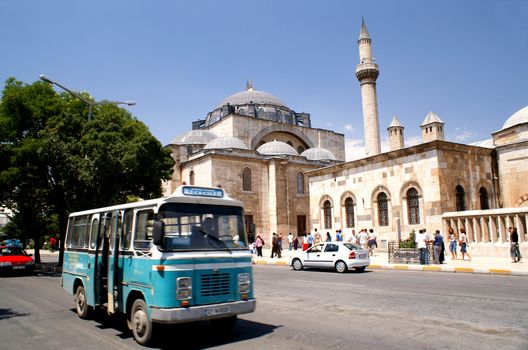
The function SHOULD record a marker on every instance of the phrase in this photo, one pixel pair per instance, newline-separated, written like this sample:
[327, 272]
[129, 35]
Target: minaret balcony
[367, 70]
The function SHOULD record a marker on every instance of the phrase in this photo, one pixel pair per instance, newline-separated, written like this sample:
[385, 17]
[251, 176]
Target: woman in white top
[463, 244]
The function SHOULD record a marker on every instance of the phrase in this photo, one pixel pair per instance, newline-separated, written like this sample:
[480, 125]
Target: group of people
[422, 238]
[367, 239]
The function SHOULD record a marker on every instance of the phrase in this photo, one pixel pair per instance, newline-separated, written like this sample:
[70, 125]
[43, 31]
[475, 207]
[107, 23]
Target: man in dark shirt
[515, 251]
[437, 246]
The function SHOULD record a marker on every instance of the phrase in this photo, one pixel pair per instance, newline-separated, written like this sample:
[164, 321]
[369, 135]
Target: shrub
[409, 242]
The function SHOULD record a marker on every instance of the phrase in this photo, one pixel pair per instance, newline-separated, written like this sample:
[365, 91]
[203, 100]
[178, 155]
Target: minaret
[432, 128]
[367, 72]
[395, 130]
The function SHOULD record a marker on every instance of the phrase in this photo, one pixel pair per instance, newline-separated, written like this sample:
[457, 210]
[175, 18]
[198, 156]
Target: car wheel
[297, 264]
[360, 269]
[142, 327]
[81, 305]
[340, 266]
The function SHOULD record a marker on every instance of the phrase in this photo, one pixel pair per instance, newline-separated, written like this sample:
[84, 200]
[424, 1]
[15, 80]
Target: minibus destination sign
[203, 192]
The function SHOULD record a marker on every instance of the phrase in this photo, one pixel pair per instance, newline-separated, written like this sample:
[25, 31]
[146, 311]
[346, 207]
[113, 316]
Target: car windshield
[202, 227]
[12, 251]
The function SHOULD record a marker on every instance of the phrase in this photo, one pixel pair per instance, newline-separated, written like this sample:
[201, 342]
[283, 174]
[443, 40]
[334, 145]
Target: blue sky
[465, 60]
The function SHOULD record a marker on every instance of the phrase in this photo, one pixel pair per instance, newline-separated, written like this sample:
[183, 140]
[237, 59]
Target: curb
[428, 268]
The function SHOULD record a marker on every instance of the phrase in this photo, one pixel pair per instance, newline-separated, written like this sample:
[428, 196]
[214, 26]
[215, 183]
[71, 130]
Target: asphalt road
[298, 310]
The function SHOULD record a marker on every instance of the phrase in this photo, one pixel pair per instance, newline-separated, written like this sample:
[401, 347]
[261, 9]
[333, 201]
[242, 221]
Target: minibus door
[113, 259]
[101, 260]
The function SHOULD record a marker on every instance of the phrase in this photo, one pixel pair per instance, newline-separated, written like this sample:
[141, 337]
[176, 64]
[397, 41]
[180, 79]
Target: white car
[340, 256]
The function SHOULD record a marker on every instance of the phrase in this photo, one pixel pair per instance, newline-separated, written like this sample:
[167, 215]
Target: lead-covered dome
[519, 117]
[277, 148]
[226, 143]
[251, 96]
[318, 153]
[194, 137]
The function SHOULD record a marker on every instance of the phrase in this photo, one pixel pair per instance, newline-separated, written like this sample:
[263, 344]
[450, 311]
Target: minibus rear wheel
[141, 326]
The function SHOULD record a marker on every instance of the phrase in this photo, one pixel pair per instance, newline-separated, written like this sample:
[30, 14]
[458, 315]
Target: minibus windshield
[202, 227]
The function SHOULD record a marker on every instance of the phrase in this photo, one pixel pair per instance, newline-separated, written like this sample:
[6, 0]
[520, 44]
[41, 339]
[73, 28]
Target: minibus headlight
[184, 288]
[184, 282]
[243, 282]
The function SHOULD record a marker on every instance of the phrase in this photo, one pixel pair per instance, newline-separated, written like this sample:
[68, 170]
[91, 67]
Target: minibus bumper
[202, 312]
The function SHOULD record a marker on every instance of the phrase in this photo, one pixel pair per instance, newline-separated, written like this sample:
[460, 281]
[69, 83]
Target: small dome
[317, 153]
[430, 118]
[519, 117]
[277, 148]
[226, 142]
[194, 137]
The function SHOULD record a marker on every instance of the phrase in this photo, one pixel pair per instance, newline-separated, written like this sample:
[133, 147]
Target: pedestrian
[274, 245]
[437, 246]
[259, 243]
[452, 243]
[515, 252]
[279, 243]
[328, 237]
[339, 236]
[421, 244]
[371, 242]
[295, 242]
[317, 238]
[363, 236]
[309, 240]
[463, 244]
[290, 241]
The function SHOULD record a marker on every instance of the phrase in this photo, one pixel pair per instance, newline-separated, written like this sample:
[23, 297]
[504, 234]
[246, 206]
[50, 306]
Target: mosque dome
[225, 143]
[194, 137]
[277, 148]
[519, 117]
[255, 104]
[251, 96]
[317, 153]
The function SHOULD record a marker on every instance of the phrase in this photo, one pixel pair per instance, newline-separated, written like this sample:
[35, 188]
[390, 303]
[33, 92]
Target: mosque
[294, 178]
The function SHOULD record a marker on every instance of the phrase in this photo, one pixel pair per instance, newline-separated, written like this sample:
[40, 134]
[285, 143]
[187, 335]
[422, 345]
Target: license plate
[362, 256]
[212, 311]
[19, 267]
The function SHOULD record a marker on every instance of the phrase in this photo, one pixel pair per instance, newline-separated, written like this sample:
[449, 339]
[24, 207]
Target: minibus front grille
[214, 284]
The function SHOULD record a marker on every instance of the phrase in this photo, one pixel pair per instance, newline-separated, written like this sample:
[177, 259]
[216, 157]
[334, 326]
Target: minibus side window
[127, 230]
[93, 233]
[144, 221]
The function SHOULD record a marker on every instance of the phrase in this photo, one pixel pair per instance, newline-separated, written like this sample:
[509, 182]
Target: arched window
[191, 178]
[327, 209]
[460, 198]
[300, 149]
[413, 206]
[246, 179]
[349, 212]
[300, 183]
[290, 143]
[483, 194]
[383, 211]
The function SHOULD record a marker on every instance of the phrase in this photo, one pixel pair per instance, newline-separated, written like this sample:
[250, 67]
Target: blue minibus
[175, 259]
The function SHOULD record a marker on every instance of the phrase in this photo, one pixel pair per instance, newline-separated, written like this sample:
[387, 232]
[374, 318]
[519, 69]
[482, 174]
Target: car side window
[316, 249]
[331, 247]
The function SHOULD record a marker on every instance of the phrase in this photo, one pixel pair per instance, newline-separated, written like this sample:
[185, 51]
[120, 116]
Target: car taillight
[352, 255]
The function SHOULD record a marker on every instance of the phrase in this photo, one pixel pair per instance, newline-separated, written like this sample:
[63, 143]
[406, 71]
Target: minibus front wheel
[81, 305]
[141, 326]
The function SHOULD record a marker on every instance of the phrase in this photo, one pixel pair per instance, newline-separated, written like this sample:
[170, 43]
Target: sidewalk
[493, 266]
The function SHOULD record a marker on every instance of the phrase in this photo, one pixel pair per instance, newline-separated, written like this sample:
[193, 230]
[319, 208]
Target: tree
[54, 162]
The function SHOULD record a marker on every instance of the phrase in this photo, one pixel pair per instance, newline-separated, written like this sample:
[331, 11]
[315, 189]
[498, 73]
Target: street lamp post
[88, 102]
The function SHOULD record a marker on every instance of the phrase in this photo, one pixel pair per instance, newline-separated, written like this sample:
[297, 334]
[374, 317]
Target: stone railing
[488, 226]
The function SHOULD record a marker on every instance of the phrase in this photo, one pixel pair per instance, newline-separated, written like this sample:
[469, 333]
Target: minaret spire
[367, 72]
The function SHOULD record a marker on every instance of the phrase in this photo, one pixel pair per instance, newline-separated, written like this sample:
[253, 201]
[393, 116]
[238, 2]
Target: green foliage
[53, 161]
[409, 242]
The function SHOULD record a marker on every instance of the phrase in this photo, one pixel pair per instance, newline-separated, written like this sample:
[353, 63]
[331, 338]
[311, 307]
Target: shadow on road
[195, 335]
[8, 313]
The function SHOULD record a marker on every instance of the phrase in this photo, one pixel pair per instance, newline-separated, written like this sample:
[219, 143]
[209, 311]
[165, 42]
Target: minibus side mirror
[157, 232]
